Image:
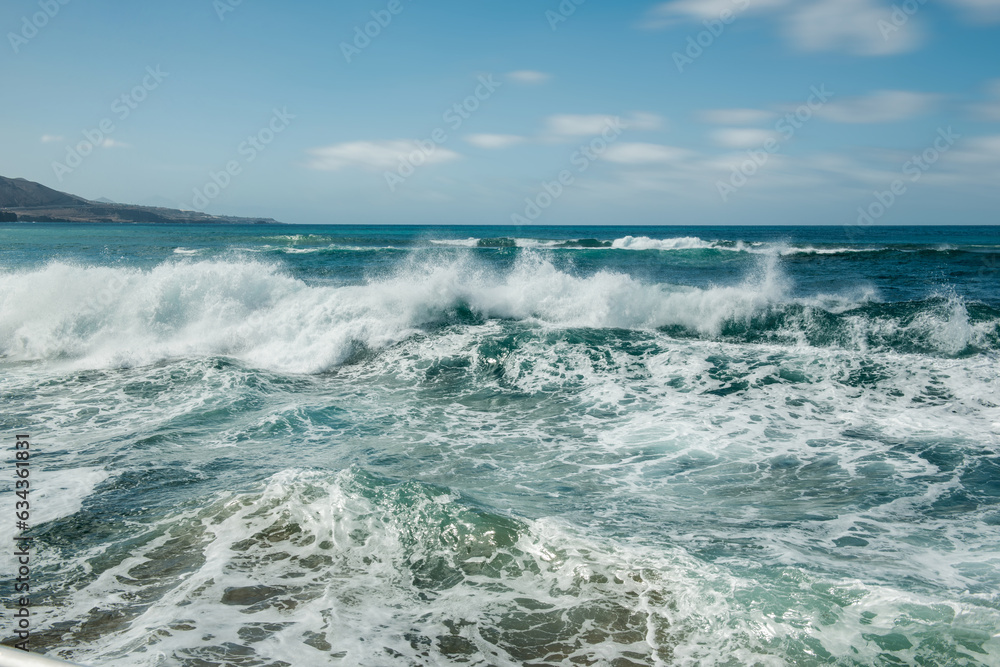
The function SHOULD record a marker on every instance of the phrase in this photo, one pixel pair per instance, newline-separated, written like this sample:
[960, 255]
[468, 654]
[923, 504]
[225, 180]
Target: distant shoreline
[120, 213]
[233, 220]
[22, 200]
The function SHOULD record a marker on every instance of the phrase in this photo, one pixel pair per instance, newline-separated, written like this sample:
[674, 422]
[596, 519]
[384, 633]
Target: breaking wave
[255, 311]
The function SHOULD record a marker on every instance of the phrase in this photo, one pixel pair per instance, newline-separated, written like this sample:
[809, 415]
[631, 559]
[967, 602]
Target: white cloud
[736, 116]
[971, 162]
[494, 140]
[374, 155]
[977, 151]
[980, 10]
[528, 76]
[668, 13]
[569, 125]
[676, 175]
[883, 106]
[695, 9]
[990, 110]
[860, 27]
[643, 120]
[105, 143]
[640, 153]
[742, 137]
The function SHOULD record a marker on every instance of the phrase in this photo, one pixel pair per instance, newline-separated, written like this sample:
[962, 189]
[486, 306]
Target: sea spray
[255, 311]
[505, 446]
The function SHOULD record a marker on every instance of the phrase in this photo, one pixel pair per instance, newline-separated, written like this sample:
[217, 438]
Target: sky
[686, 112]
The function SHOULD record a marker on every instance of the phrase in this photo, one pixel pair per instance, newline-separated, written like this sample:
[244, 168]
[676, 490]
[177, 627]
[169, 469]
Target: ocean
[380, 446]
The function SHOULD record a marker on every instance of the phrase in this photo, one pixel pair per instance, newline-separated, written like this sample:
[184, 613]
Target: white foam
[642, 243]
[56, 494]
[107, 317]
[298, 238]
[538, 243]
[119, 317]
[361, 566]
[334, 247]
[646, 243]
[348, 574]
[457, 243]
[786, 250]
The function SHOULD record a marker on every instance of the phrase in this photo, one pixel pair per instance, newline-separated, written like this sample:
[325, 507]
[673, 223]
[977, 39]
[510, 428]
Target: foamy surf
[646, 243]
[362, 570]
[114, 317]
[689, 244]
[535, 450]
[58, 494]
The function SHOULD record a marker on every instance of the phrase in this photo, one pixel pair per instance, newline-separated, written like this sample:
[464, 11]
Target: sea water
[320, 445]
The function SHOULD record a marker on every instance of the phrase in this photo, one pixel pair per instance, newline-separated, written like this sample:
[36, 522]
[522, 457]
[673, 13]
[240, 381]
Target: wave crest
[119, 317]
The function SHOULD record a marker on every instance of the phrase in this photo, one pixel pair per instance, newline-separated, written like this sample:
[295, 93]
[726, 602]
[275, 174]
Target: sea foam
[107, 316]
[255, 311]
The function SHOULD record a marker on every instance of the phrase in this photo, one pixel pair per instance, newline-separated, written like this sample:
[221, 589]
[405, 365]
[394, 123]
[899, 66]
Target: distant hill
[23, 200]
[19, 193]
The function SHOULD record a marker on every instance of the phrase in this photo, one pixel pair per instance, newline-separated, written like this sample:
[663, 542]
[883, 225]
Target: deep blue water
[313, 445]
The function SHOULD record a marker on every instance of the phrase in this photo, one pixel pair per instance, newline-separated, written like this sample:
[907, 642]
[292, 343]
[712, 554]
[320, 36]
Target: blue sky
[679, 112]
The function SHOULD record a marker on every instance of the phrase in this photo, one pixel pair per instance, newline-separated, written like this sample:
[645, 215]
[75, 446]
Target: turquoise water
[291, 445]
